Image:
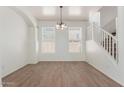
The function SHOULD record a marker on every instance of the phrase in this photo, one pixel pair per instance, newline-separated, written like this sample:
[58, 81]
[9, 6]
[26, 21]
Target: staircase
[105, 40]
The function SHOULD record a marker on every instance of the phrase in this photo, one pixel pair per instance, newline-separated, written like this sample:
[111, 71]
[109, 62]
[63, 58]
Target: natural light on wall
[94, 17]
[74, 11]
[49, 10]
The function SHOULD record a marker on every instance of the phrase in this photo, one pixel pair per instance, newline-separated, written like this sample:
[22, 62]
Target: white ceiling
[70, 13]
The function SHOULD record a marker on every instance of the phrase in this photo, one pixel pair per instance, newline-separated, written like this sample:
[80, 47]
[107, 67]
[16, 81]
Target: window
[48, 40]
[75, 36]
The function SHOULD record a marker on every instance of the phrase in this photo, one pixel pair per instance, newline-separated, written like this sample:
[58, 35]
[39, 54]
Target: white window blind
[75, 38]
[48, 40]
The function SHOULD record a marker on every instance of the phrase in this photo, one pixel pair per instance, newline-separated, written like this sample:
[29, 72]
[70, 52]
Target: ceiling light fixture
[61, 25]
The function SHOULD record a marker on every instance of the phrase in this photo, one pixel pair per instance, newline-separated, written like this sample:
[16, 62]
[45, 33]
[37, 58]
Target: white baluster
[92, 31]
[116, 50]
[106, 42]
[113, 47]
[102, 37]
[110, 45]
[99, 36]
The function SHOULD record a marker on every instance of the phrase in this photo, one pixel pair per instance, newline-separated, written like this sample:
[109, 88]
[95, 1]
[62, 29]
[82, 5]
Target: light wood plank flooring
[58, 74]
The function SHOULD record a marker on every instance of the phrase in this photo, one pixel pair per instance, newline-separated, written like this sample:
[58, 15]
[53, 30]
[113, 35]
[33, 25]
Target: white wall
[33, 32]
[107, 13]
[120, 35]
[94, 17]
[108, 16]
[0, 55]
[14, 40]
[62, 53]
[0, 64]
[99, 59]
[33, 45]
[27, 16]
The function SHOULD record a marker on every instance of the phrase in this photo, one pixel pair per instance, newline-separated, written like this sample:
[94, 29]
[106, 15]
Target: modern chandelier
[60, 25]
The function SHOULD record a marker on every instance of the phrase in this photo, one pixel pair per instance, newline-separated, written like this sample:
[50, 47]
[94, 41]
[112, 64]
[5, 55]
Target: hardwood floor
[58, 74]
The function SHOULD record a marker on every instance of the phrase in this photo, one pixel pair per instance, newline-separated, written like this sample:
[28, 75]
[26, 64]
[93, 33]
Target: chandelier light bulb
[61, 25]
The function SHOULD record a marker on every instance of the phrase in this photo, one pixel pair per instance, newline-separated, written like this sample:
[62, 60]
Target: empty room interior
[61, 46]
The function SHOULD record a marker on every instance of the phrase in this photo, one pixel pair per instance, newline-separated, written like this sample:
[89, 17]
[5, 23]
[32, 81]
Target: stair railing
[103, 38]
